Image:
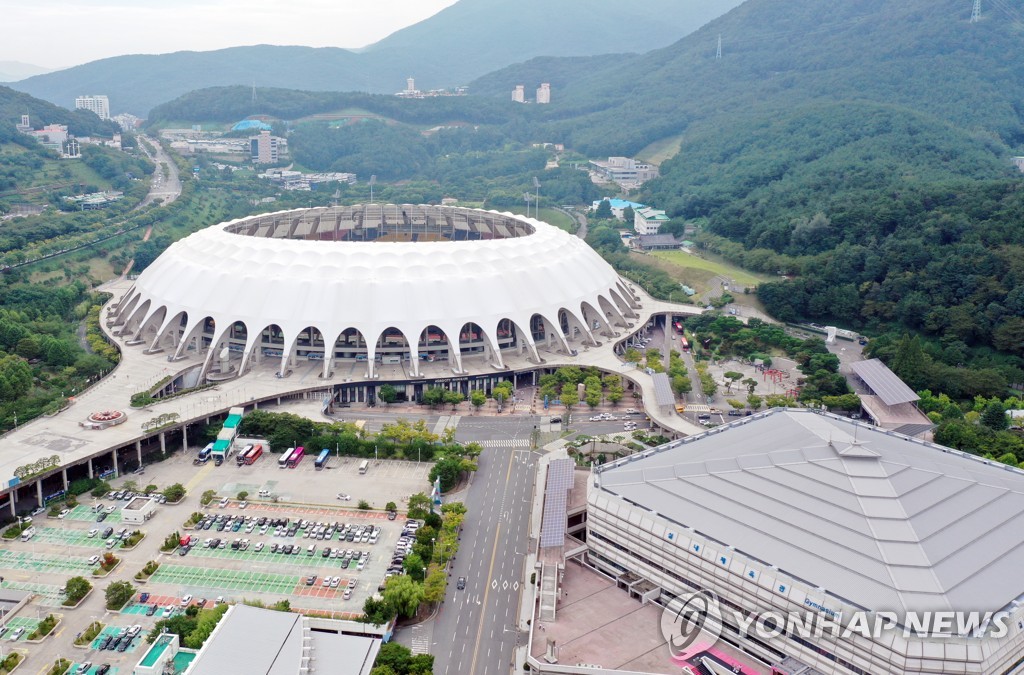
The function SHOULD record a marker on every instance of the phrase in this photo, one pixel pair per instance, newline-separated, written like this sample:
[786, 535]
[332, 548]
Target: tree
[731, 376]
[681, 384]
[477, 398]
[738, 405]
[754, 401]
[387, 393]
[994, 416]
[604, 210]
[174, 492]
[404, 594]
[433, 397]
[377, 611]
[76, 588]
[751, 385]
[419, 505]
[208, 496]
[394, 656]
[242, 496]
[434, 586]
[118, 594]
[449, 469]
[391, 506]
[569, 396]
[453, 398]
[414, 566]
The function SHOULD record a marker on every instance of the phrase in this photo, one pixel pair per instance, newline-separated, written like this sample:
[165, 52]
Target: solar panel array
[885, 384]
[561, 474]
[663, 395]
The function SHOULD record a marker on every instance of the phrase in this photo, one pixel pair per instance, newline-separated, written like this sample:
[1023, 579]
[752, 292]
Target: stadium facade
[798, 512]
[365, 287]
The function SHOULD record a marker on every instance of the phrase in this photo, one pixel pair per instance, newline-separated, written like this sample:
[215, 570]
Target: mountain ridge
[477, 37]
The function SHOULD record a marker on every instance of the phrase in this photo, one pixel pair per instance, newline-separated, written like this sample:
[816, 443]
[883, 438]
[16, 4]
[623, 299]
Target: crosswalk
[506, 443]
[420, 643]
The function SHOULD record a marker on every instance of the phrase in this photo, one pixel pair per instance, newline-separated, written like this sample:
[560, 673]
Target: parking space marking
[40, 562]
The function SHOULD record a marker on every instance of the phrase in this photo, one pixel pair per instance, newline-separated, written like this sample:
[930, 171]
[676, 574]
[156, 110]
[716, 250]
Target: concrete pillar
[163, 446]
[184, 437]
[39, 492]
[138, 451]
[10, 500]
[64, 475]
[117, 469]
[91, 474]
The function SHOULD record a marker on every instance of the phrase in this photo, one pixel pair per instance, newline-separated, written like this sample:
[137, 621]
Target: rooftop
[877, 518]
[137, 504]
[279, 649]
[883, 382]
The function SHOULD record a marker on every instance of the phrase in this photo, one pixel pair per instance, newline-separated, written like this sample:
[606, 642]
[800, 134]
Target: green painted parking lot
[113, 631]
[83, 513]
[56, 535]
[226, 580]
[92, 671]
[40, 562]
[20, 622]
[302, 560]
[47, 595]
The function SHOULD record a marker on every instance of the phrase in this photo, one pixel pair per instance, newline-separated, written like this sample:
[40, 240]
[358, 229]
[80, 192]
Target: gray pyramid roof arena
[884, 521]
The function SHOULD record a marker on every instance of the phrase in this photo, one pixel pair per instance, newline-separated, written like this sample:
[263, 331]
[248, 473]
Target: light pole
[373, 181]
[536, 199]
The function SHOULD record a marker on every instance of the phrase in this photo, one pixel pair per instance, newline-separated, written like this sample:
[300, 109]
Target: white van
[28, 534]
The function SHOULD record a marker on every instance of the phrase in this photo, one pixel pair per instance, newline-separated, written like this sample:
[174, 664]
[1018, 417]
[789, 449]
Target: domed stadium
[373, 286]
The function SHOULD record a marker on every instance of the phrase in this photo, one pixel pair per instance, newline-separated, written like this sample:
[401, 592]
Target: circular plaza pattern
[379, 283]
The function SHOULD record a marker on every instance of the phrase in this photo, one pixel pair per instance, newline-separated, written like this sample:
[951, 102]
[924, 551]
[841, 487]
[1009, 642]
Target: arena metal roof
[883, 382]
[373, 268]
[884, 521]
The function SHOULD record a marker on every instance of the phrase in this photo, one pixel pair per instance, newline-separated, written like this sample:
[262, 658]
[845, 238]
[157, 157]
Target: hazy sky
[59, 33]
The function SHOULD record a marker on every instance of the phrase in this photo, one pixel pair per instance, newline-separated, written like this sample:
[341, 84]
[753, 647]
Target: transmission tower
[718, 54]
[976, 12]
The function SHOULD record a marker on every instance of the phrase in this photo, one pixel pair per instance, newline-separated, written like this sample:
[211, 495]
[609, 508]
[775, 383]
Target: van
[28, 534]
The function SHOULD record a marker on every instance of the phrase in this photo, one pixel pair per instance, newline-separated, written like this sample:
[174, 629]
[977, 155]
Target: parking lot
[62, 547]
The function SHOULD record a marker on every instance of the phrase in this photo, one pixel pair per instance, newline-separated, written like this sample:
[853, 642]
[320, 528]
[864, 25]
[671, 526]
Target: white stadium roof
[374, 267]
[883, 521]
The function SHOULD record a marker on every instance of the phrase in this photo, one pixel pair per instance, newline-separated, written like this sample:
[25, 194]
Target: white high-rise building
[519, 94]
[544, 93]
[98, 103]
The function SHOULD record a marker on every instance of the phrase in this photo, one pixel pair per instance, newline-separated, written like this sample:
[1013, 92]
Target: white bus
[282, 461]
[364, 465]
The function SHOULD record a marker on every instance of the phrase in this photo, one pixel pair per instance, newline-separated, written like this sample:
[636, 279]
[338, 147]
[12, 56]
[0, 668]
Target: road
[474, 631]
[166, 184]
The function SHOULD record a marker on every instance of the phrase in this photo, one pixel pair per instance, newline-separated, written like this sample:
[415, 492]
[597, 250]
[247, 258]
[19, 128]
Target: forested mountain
[921, 54]
[456, 45]
[860, 148]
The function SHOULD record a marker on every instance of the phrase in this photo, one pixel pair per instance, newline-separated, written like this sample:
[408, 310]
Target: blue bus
[321, 461]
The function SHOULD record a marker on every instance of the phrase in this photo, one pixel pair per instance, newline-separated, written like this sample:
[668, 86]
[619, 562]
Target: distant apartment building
[266, 149]
[1018, 162]
[625, 171]
[519, 94]
[648, 220]
[97, 103]
[544, 93]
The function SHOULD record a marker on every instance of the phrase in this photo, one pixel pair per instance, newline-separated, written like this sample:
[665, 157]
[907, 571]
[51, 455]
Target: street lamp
[536, 201]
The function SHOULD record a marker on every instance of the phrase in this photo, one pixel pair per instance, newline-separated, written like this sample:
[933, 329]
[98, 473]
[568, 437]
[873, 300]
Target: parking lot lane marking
[198, 477]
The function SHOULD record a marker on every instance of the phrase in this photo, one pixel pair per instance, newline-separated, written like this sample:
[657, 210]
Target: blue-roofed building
[252, 125]
[619, 206]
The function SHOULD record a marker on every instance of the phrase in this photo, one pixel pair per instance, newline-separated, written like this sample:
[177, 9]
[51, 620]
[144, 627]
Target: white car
[168, 610]
[110, 509]
[258, 547]
[63, 513]
[95, 560]
[185, 600]
[93, 532]
[223, 502]
[344, 497]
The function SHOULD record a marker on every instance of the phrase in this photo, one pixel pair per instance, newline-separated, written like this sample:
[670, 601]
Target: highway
[474, 631]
